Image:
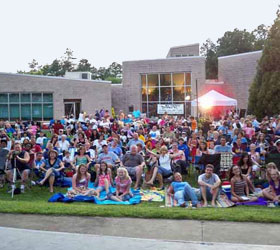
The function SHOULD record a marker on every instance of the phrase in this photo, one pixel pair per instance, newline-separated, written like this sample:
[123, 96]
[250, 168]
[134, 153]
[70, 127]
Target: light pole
[188, 98]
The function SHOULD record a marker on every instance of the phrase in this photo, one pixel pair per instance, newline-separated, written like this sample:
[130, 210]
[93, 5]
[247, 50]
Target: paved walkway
[24, 239]
[182, 230]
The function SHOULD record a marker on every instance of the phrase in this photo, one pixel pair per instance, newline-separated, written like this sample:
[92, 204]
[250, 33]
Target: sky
[107, 31]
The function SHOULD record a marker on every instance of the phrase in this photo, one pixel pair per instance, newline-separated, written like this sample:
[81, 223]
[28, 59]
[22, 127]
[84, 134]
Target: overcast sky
[105, 31]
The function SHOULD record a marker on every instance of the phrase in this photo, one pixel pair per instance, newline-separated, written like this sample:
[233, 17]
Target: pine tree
[265, 90]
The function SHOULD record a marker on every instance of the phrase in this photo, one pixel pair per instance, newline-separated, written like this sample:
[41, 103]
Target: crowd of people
[129, 151]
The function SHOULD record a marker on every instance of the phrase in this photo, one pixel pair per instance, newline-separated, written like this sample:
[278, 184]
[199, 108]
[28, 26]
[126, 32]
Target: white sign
[171, 109]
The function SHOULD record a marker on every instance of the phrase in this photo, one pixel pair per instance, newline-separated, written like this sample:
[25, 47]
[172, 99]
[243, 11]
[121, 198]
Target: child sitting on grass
[123, 184]
[274, 184]
[103, 179]
[80, 182]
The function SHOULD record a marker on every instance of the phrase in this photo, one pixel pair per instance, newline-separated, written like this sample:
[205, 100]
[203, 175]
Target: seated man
[19, 159]
[209, 185]
[107, 156]
[182, 192]
[134, 163]
[223, 148]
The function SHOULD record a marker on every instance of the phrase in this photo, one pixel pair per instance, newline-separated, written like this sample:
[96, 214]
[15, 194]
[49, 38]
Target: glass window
[36, 97]
[143, 81]
[14, 111]
[36, 111]
[152, 109]
[4, 111]
[188, 90]
[3, 98]
[188, 78]
[47, 111]
[25, 98]
[144, 108]
[26, 112]
[14, 97]
[47, 97]
[153, 80]
[179, 93]
[165, 80]
[188, 108]
[144, 94]
[165, 95]
[153, 94]
[178, 79]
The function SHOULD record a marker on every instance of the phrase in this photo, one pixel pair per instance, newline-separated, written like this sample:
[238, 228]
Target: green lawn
[34, 201]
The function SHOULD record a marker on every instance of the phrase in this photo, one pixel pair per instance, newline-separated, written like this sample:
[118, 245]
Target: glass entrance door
[72, 108]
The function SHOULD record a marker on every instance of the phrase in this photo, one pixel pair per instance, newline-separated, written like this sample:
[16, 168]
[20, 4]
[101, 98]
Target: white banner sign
[171, 109]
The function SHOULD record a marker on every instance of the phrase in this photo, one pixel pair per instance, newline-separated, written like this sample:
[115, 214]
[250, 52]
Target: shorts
[164, 172]
[131, 171]
[209, 196]
[126, 197]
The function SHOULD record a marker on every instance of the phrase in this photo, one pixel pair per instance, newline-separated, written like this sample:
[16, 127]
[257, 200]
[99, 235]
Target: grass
[34, 201]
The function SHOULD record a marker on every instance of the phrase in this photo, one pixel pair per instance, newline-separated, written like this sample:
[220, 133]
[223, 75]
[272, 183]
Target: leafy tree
[209, 50]
[265, 89]
[115, 70]
[83, 65]
[235, 42]
[66, 62]
[260, 33]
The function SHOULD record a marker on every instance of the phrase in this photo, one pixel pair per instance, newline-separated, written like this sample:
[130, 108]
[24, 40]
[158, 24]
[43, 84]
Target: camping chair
[225, 165]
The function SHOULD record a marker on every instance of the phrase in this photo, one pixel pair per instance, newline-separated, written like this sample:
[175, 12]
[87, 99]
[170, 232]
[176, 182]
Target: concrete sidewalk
[185, 230]
[24, 239]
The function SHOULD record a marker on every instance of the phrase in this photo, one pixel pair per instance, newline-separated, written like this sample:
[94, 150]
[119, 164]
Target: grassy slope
[34, 201]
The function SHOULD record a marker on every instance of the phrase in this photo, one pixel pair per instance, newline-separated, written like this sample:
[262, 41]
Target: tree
[265, 89]
[83, 65]
[260, 34]
[209, 50]
[115, 70]
[66, 62]
[235, 42]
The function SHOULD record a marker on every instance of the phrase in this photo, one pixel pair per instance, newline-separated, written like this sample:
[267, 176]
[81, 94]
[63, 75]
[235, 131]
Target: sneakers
[22, 188]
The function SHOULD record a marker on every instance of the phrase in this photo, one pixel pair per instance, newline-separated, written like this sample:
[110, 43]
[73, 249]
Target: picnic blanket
[59, 197]
[152, 195]
[260, 202]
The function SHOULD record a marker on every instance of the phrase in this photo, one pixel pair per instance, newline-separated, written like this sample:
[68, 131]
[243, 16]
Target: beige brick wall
[93, 94]
[133, 69]
[239, 71]
[192, 49]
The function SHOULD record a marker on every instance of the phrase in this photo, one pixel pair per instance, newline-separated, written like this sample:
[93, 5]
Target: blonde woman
[164, 159]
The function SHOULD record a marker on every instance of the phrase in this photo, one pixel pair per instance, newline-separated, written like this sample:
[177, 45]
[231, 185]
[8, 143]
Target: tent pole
[196, 101]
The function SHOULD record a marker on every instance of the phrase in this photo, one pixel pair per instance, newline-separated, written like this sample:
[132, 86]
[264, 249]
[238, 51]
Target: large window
[173, 88]
[26, 106]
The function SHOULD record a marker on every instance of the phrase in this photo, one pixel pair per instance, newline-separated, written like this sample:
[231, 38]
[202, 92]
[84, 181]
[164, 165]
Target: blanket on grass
[152, 195]
[59, 197]
[260, 202]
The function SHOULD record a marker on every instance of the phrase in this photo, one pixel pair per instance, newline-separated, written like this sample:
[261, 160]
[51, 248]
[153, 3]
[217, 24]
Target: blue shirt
[178, 186]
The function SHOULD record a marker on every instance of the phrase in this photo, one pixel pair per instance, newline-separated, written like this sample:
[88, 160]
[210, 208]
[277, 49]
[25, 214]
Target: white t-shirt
[164, 161]
[63, 145]
[40, 140]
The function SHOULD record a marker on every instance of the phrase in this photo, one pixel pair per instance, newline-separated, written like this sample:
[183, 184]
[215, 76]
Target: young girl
[123, 184]
[103, 178]
[80, 183]
[246, 165]
[274, 185]
[239, 186]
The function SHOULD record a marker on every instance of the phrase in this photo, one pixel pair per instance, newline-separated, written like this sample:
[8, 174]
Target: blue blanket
[59, 197]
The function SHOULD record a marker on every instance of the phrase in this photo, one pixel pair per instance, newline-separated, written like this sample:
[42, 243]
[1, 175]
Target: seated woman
[274, 185]
[239, 186]
[82, 157]
[123, 184]
[246, 166]
[80, 183]
[103, 178]
[164, 167]
[53, 168]
[182, 192]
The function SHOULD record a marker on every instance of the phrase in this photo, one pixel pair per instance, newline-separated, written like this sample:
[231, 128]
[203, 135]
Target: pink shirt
[249, 132]
[122, 186]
